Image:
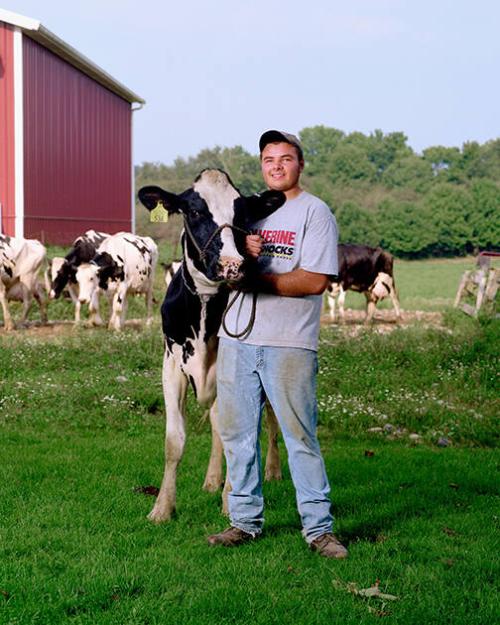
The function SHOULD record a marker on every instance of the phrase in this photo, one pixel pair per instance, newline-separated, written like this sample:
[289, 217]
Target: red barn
[65, 138]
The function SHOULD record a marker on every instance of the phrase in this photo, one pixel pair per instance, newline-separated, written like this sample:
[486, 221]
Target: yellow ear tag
[159, 213]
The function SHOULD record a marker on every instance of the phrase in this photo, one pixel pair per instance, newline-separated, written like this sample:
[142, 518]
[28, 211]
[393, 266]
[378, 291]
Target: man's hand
[253, 245]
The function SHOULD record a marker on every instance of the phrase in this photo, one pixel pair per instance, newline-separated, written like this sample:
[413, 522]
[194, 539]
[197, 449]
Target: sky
[221, 72]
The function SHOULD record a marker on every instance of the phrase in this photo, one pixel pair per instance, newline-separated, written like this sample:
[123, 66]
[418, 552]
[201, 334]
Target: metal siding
[77, 151]
[7, 145]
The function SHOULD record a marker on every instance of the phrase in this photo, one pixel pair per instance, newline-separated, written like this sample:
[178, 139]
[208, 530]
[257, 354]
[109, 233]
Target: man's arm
[296, 283]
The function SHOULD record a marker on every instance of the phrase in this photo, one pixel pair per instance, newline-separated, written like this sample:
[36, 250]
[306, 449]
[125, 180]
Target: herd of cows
[216, 217]
[118, 265]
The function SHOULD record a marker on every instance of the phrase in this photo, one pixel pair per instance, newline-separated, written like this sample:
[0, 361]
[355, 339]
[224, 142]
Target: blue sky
[222, 72]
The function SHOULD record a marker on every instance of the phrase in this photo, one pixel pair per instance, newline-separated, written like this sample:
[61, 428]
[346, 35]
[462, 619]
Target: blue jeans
[287, 375]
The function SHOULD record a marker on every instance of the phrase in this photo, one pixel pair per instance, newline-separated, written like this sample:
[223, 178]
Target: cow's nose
[52, 294]
[230, 268]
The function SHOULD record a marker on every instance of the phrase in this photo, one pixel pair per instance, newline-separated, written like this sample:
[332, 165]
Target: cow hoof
[212, 485]
[273, 474]
[159, 516]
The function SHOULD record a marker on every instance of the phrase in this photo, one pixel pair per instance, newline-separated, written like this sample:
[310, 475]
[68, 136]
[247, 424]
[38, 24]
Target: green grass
[81, 425]
[76, 547]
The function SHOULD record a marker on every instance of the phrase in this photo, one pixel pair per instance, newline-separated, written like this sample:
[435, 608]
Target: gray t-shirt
[300, 234]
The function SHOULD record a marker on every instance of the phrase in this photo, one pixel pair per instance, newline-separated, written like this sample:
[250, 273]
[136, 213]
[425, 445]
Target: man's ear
[151, 196]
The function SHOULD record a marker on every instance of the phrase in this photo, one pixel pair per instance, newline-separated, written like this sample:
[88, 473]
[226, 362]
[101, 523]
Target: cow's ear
[264, 204]
[151, 196]
[250, 209]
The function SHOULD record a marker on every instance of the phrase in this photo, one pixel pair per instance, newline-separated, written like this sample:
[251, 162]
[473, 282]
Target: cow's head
[82, 251]
[97, 274]
[212, 208]
[61, 274]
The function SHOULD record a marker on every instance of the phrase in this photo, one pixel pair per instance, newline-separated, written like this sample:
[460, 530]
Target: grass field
[81, 426]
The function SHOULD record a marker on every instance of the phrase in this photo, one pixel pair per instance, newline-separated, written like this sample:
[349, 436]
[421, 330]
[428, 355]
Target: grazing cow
[63, 275]
[20, 262]
[368, 270]
[55, 266]
[123, 265]
[214, 215]
[83, 250]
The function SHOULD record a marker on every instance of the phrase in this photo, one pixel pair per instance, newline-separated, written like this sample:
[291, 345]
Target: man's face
[281, 167]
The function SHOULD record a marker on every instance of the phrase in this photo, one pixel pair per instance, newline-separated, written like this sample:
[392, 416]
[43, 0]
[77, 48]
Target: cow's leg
[395, 301]
[27, 295]
[225, 492]
[42, 302]
[76, 302]
[174, 390]
[149, 305]
[7, 319]
[330, 304]
[213, 477]
[341, 301]
[78, 308]
[118, 308]
[370, 308]
[273, 465]
[94, 314]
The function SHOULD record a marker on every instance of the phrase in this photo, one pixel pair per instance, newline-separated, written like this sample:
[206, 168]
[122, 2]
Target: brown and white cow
[20, 263]
[192, 311]
[367, 270]
[123, 265]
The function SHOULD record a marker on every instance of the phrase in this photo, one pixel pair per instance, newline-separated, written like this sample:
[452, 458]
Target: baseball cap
[273, 136]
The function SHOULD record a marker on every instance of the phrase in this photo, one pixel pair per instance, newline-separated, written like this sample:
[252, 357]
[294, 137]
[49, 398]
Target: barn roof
[35, 30]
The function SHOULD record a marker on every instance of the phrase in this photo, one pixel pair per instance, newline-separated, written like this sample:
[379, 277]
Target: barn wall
[7, 171]
[77, 151]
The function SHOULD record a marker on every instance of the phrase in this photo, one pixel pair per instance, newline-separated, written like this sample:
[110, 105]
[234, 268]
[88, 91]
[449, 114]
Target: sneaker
[232, 537]
[329, 546]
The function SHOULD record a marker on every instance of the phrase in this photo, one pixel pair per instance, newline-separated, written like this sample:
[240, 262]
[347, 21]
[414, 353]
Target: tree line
[443, 202]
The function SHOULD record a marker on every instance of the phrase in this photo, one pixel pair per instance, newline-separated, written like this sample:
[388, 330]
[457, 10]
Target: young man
[296, 251]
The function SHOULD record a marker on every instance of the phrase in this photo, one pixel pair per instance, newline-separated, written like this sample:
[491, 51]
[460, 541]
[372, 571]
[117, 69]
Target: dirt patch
[385, 321]
[61, 328]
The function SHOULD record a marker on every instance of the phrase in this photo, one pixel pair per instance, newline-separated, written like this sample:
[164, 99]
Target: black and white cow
[20, 262]
[123, 265]
[56, 265]
[63, 274]
[170, 270]
[193, 307]
[367, 270]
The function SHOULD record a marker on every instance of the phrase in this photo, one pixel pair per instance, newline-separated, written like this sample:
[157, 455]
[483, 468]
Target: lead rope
[244, 333]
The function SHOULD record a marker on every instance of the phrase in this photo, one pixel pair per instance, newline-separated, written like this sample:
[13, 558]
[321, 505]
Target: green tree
[357, 225]
[410, 171]
[450, 207]
[485, 216]
[407, 229]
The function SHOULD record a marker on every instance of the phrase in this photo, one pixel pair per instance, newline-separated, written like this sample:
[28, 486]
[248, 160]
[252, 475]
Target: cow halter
[202, 251]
